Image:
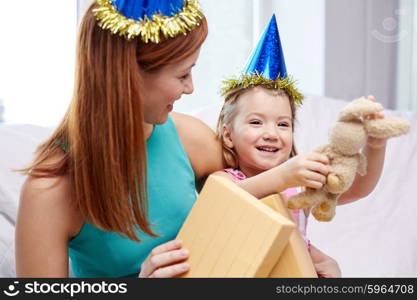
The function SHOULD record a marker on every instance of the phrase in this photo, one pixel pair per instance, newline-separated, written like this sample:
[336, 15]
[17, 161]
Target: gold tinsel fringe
[245, 81]
[149, 30]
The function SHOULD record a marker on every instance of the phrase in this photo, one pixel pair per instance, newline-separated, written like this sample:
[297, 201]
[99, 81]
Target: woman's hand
[308, 170]
[165, 261]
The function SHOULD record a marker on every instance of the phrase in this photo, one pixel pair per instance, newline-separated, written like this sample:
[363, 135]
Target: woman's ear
[226, 135]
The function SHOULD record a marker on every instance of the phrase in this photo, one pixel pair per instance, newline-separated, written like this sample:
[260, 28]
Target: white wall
[301, 27]
[407, 56]
[235, 27]
[36, 59]
[224, 53]
[361, 49]
[82, 5]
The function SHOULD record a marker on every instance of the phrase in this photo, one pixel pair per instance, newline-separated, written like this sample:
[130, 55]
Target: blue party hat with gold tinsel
[150, 20]
[266, 67]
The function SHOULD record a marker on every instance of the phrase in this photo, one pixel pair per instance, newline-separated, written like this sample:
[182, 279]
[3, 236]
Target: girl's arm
[363, 185]
[45, 223]
[261, 185]
[302, 170]
[375, 154]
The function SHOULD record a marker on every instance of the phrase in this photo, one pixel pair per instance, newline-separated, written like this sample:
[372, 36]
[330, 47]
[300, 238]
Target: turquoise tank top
[171, 194]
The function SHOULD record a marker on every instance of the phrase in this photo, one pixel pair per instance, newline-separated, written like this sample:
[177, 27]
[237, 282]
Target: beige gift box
[230, 233]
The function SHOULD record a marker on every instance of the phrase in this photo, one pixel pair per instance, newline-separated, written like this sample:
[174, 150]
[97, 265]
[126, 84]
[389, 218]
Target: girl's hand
[165, 261]
[308, 170]
[375, 143]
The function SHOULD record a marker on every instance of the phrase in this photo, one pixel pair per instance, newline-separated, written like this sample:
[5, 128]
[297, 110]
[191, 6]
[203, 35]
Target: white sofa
[373, 237]
[17, 144]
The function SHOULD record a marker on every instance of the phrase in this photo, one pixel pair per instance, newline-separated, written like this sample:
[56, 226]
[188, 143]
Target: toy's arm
[335, 184]
[323, 149]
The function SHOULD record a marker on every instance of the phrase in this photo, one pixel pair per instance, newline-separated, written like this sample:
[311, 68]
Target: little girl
[256, 127]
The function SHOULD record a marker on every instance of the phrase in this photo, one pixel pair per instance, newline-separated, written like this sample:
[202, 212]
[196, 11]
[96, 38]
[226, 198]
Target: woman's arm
[201, 144]
[45, 222]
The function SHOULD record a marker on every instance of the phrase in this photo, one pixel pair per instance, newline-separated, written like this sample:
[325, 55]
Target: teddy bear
[347, 138]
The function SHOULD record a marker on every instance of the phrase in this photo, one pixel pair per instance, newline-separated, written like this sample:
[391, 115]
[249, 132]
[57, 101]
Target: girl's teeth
[267, 149]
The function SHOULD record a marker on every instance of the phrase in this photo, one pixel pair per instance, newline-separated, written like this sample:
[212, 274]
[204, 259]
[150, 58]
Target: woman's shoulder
[193, 130]
[50, 198]
[46, 221]
[200, 142]
[183, 122]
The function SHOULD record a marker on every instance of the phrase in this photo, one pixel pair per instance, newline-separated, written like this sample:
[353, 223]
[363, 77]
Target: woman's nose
[189, 86]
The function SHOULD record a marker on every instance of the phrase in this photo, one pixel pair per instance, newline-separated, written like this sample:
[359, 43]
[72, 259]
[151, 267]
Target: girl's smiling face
[261, 133]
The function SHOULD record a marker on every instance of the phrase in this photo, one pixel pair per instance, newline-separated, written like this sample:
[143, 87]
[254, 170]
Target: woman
[113, 184]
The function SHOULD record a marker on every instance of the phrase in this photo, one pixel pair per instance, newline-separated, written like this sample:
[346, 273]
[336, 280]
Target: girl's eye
[255, 122]
[284, 124]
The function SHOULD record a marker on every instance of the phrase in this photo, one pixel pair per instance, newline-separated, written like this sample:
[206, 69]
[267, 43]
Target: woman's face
[165, 86]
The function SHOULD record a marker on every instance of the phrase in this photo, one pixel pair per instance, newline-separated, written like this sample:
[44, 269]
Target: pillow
[17, 145]
[7, 261]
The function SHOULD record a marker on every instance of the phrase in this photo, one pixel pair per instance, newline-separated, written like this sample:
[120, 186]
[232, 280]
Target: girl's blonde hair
[229, 112]
[103, 128]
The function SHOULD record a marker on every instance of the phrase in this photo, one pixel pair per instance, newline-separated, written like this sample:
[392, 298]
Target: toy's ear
[386, 127]
[359, 108]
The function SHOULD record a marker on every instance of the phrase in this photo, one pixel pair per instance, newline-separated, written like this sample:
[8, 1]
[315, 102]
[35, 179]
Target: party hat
[266, 66]
[151, 20]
